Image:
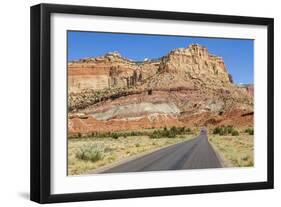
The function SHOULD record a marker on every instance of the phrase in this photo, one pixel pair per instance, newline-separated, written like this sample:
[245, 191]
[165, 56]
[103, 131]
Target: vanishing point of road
[192, 154]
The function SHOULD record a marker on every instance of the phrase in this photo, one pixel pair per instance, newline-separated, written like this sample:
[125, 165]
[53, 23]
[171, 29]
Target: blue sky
[238, 54]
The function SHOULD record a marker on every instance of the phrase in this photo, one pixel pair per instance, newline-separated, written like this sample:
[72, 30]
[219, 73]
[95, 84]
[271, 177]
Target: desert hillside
[187, 87]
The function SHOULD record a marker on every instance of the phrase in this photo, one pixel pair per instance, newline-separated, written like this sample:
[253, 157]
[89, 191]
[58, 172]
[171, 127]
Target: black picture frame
[41, 98]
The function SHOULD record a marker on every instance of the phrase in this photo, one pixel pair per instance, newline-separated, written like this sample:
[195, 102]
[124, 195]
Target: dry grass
[238, 150]
[112, 150]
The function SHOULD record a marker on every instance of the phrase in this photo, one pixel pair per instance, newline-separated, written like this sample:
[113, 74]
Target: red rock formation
[188, 87]
[108, 71]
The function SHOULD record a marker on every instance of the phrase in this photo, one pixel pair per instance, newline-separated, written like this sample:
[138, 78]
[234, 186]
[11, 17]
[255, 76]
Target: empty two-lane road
[193, 154]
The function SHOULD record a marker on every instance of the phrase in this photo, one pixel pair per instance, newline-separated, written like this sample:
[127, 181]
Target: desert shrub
[244, 157]
[115, 135]
[188, 130]
[174, 129]
[235, 133]
[217, 130]
[136, 133]
[250, 131]
[179, 130]
[182, 130]
[108, 149]
[170, 133]
[225, 130]
[90, 152]
[222, 131]
[156, 134]
[103, 135]
[137, 145]
[229, 129]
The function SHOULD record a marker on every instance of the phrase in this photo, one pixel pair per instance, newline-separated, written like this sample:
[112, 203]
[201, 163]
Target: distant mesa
[192, 64]
[117, 93]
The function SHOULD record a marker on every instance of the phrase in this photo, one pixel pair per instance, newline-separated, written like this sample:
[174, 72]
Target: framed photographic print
[132, 103]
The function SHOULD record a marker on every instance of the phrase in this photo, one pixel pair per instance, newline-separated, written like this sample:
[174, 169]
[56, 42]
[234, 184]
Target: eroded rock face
[108, 71]
[191, 66]
[187, 87]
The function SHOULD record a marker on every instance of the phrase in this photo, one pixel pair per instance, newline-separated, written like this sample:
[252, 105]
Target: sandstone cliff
[187, 87]
[108, 71]
[191, 67]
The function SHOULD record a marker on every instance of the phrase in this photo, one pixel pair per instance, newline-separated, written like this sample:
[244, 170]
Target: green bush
[115, 135]
[156, 133]
[217, 130]
[174, 129]
[170, 133]
[90, 152]
[230, 129]
[225, 130]
[250, 131]
[235, 133]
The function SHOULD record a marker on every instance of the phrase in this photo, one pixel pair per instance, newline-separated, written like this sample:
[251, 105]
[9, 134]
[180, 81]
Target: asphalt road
[193, 154]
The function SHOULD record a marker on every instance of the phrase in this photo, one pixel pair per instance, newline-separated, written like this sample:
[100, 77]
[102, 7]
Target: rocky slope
[187, 87]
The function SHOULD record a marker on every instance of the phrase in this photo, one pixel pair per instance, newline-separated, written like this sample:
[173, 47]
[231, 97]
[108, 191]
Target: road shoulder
[224, 162]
